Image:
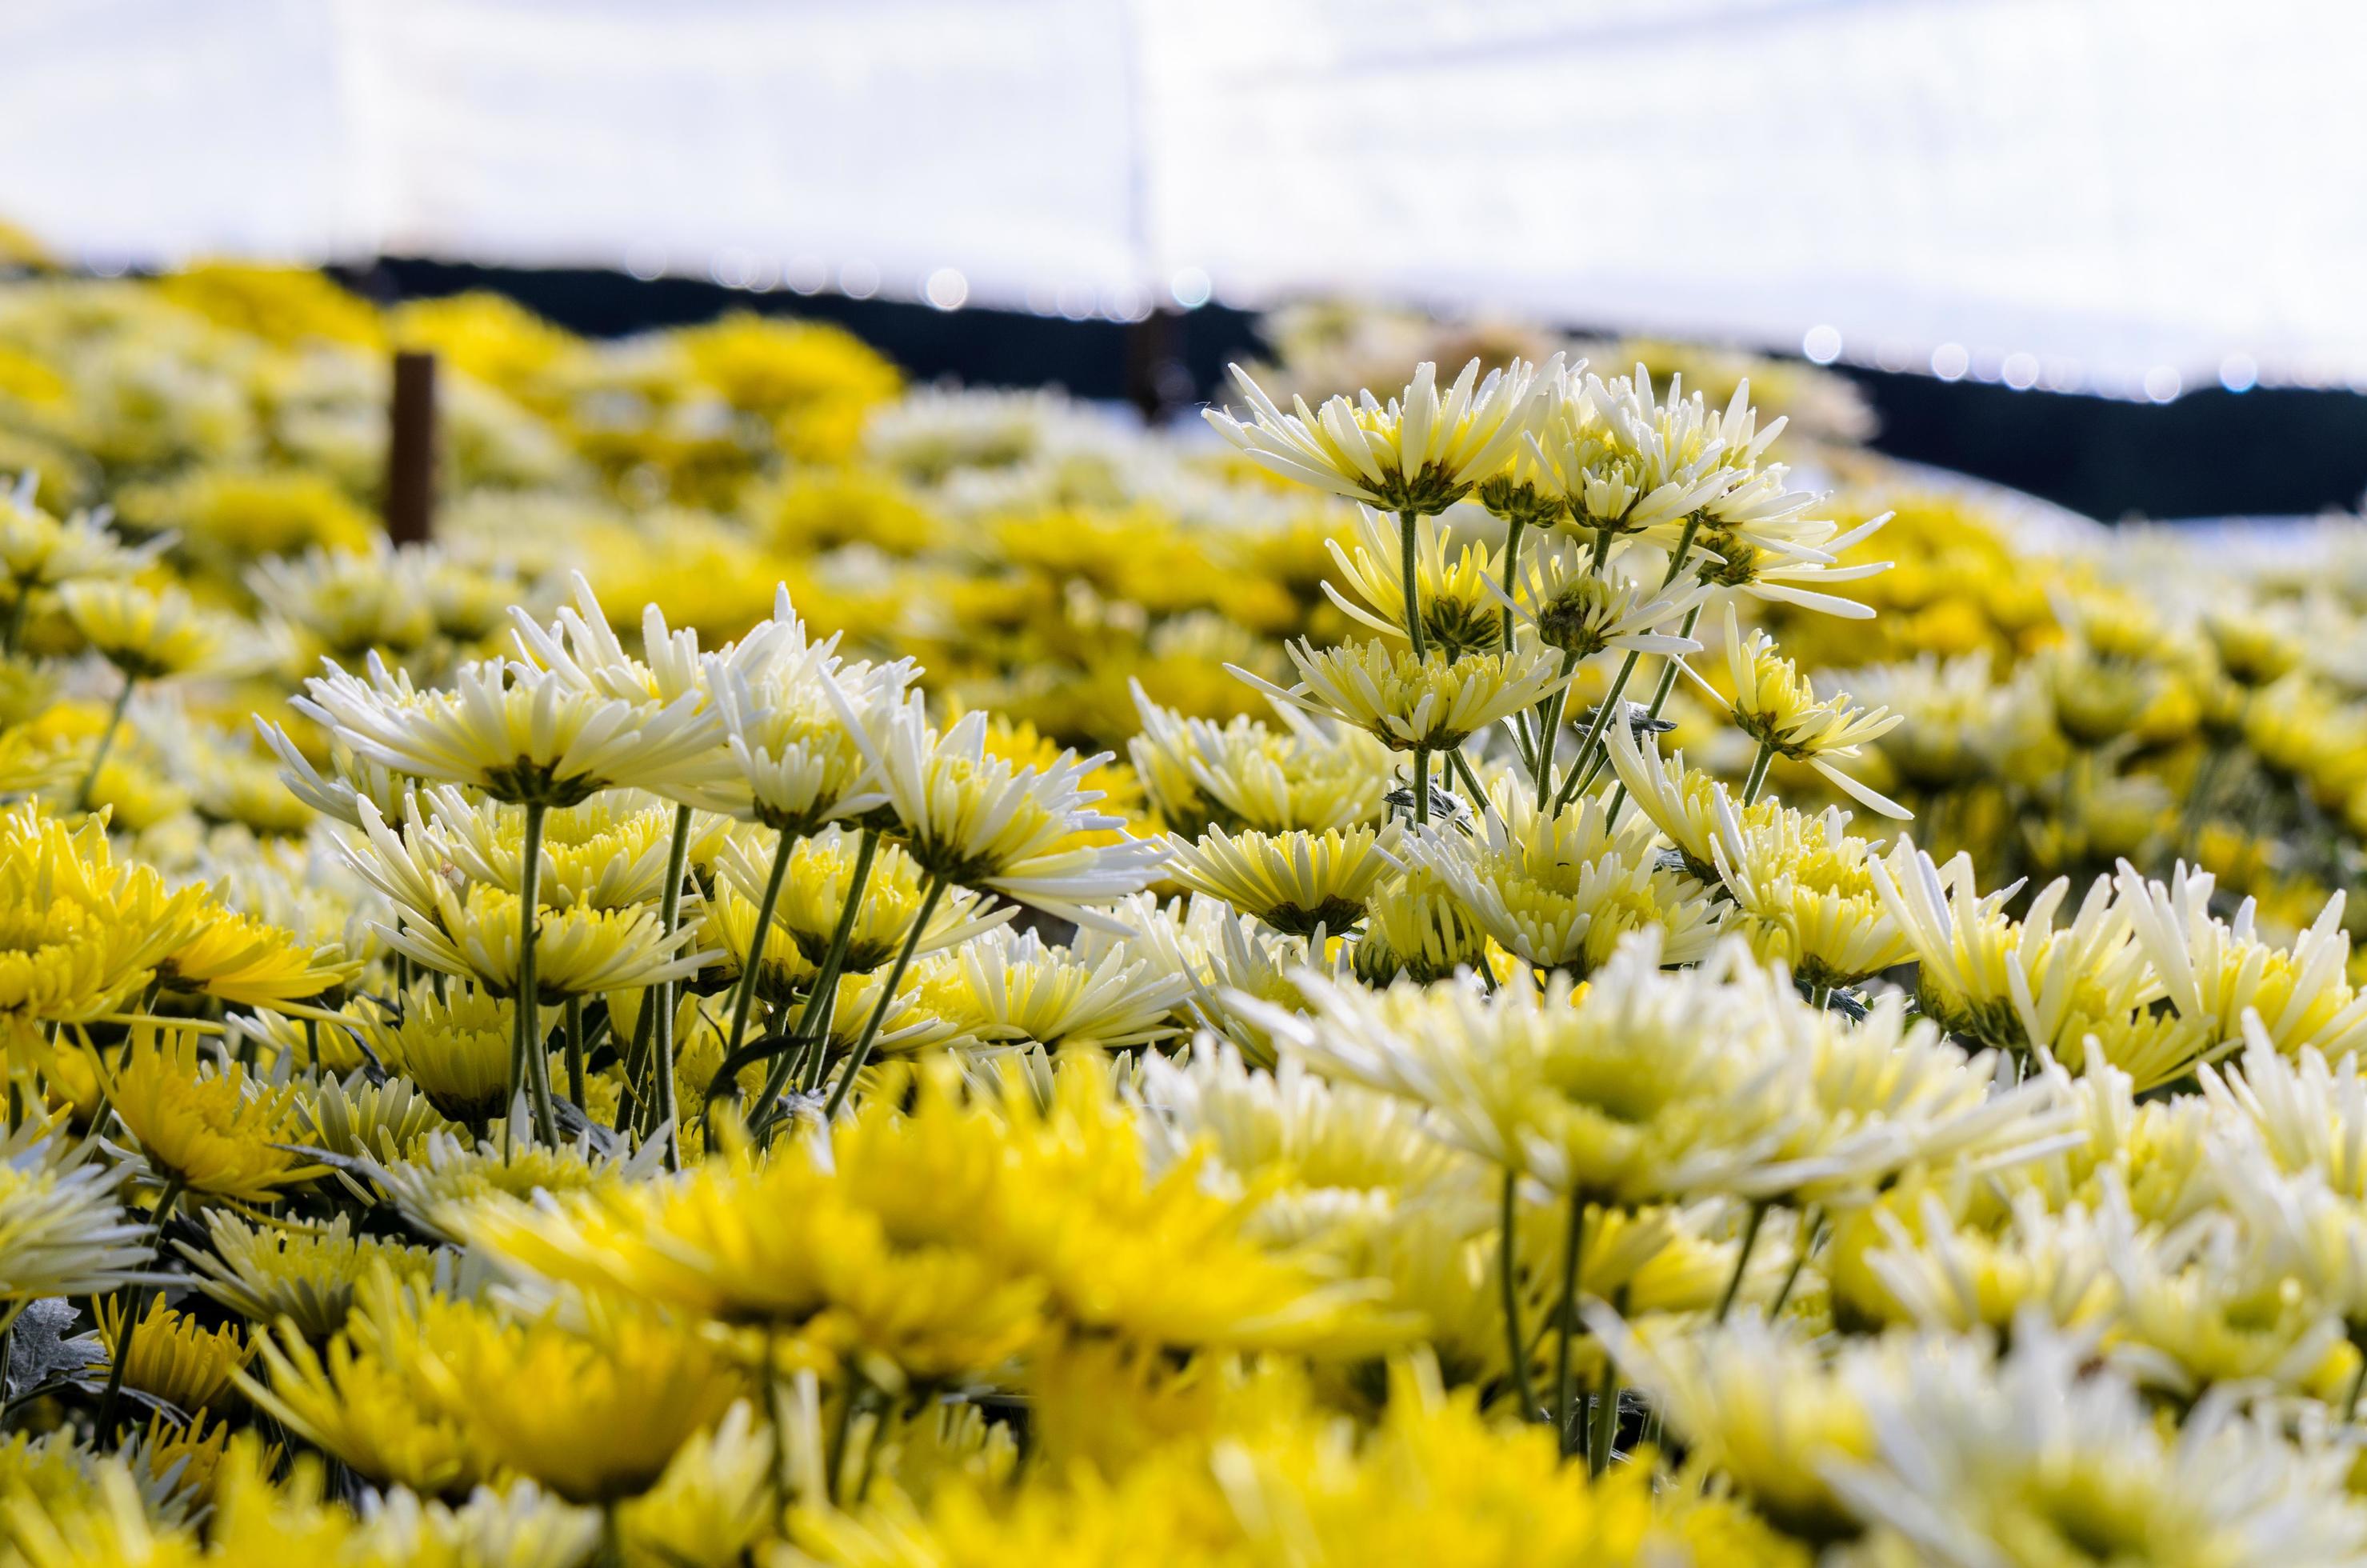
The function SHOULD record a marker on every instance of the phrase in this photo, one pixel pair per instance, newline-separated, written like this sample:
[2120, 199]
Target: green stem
[1599, 1452]
[527, 1061]
[1579, 771]
[14, 626]
[813, 1019]
[575, 1051]
[746, 1001]
[1462, 765]
[1741, 1261]
[1514, 527]
[132, 1309]
[1573, 1244]
[1758, 779]
[661, 1085]
[862, 1051]
[1421, 785]
[1409, 526]
[105, 744]
[1515, 1342]
[1549, 715]
[2358, 1379]
[1819, 996]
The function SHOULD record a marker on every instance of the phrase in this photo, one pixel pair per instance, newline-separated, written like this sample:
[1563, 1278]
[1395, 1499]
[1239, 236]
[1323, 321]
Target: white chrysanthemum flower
[1561, 889]
[1198, 774]
[1419, 453]
[1455, 593]
[987, 824]
[63, 1231]
[1775, 705]
[1003, 989]
[1581, 614]
[520, 733]
[1981, 1462]
[1408, 702]
[2213, 973]
[2020, 985]
[1298, 883]
[1806, 883]
[351, 779]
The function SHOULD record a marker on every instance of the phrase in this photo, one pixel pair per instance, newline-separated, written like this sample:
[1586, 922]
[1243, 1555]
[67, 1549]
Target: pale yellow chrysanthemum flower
[152, 635]
[1007, 991]
[1405, 702]
[1806, 884]
[1775, 705]
[1296, 883]
[1561, 890]
[522, 735]
[1419, 453]
[1456, 598]
[2213, 973]
[1200, 774]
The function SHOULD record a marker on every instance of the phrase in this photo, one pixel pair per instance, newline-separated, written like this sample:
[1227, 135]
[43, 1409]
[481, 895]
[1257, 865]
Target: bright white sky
[2087, 193]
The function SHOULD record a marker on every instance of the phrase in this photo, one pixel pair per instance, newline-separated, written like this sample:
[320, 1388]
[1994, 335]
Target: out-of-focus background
[2105, 251]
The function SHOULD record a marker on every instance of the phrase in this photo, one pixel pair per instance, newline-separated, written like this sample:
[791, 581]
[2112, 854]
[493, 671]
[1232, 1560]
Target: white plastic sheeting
[2128, 195]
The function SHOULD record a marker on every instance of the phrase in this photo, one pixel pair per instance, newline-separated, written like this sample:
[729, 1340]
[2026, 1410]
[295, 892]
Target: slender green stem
[14, 626]
[527, 1063]
[662, 1031]
[1741, 1260]
[106, 744]
[813, 1019]
[1612, 702]
[1516, 1343]
[133, 1306]
[2358, 1381]
[746, 1000]
[1462, 765]
[1548, 716]
[1819, 996]
[575, 1051]
[1408, 527]
[862, 1051]
[1421, 785]
[1758, 779]
[1599, 1452]
[1514, 527]
[1573, 1245]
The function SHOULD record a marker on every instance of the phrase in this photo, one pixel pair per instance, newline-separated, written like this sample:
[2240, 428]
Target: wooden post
[410, 449]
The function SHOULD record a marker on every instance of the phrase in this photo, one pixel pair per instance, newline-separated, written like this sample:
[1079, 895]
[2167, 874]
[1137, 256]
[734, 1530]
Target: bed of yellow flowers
[1523, 966]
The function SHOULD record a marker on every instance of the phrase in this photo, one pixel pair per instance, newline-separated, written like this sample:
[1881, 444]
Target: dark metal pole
[410, 449]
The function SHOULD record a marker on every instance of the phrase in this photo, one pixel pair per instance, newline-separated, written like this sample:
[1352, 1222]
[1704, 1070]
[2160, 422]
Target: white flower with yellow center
[2213, 973]
[1456, 596]
[158, 635]
[1776, 706]
[1803, 881]
[1005, 990]
[608, 853]
[1559, 890]
[2018, 986]
[1581, 613]
[521, 734]
[981, 822]
[1297, 883]
[1406, 702]
[1419, 453]
[1754, 555]
[1247, 773]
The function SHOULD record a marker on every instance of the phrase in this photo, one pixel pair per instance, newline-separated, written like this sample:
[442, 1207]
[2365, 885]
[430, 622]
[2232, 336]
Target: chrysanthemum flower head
[1581, 613]
[1416, 927]
[521, 734]
[455, 1047]
[1455, 595]
[1560, 888]
[1775, 705]
[969, 818]
[1296, 883]
[206, 1126]
[1421, 452]
[1407, 702]
[152, 635]
[1806, 884]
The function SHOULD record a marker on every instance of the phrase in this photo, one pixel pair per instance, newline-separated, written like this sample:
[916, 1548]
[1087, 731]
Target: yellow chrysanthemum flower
[1296, 883]
[206, 1126]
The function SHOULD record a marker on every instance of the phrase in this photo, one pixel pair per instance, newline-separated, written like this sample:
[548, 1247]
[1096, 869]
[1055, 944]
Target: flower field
[1545, 963]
